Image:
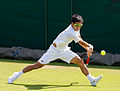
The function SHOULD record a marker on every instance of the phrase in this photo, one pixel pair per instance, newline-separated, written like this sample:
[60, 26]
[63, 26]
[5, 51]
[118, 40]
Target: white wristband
[90, 47]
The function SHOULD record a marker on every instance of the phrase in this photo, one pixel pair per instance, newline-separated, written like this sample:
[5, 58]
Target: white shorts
[53, 54]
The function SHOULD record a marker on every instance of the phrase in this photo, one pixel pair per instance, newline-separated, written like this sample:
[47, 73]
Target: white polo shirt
[66, 37]
[62, 51]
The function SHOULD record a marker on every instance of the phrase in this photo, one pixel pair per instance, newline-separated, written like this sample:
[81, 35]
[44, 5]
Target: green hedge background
[36, 23]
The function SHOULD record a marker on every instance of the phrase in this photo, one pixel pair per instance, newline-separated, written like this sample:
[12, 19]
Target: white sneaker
[13, 77]
[96, 80]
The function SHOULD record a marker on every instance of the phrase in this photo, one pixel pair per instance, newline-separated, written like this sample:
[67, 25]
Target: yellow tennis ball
[103, 52]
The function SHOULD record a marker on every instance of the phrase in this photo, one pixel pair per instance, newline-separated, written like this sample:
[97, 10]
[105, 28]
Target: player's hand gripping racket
[90, 50]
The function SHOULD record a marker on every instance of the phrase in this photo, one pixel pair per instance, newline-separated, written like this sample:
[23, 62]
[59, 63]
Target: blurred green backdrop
[36, 23]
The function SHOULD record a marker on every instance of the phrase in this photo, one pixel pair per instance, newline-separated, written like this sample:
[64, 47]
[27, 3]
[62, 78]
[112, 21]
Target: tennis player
[59, 50]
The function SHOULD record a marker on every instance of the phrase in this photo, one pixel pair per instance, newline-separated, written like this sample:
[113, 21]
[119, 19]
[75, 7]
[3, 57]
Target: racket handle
[87, 60]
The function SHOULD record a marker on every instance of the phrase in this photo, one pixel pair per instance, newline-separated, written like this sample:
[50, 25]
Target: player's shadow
[45, 86]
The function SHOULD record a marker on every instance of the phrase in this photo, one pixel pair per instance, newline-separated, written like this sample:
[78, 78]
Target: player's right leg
[26, 69]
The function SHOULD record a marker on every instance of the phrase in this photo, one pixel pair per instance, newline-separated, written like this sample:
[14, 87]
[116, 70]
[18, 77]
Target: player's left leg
[78, 61]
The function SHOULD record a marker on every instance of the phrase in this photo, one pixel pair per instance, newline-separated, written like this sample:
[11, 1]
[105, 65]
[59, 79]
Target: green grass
[57, 78]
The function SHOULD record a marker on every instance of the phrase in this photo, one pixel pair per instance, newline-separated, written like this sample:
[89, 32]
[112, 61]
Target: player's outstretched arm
[84, 44]
[87, 46]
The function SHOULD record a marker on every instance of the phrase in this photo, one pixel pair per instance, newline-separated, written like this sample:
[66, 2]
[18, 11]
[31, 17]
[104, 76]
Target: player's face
[77, 25]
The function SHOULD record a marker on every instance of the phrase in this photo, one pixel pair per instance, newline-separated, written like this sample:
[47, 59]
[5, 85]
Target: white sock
[20, 73]
[90, 78]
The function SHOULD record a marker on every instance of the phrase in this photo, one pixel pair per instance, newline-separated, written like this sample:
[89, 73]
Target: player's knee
[80, 62]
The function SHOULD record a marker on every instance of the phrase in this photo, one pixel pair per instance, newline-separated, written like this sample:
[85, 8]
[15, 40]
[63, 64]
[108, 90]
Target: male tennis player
[59, 50]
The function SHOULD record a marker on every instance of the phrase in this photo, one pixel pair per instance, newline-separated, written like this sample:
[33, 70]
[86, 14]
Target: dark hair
[77, 18]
